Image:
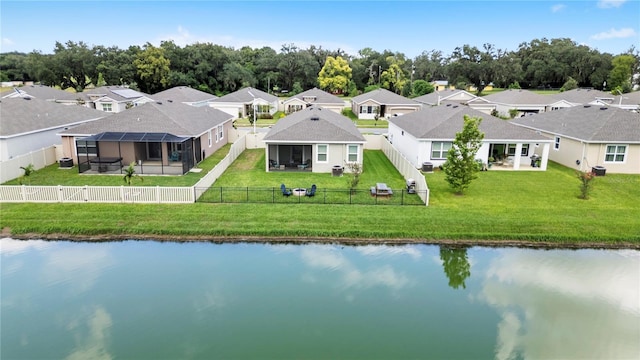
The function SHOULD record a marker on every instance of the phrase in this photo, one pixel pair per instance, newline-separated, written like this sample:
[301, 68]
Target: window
[556, 145]
[511, 149]
[210, 138]
[615, 153]
[352, 153]
[525, 150]
[322, 151]
[221, 132]
[107, 107]
[439, 150]
[86, 148]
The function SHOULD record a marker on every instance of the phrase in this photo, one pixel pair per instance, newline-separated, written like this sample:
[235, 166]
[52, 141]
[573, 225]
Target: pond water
[153, 300]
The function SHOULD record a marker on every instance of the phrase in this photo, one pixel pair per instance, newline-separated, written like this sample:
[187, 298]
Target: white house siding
[391, 110]
[24, 144]
[234, 109]
[412, 149]
[591, 155]
[365, 116]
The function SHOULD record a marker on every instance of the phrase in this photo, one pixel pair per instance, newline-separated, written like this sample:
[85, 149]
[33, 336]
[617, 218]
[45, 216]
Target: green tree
[456, 265]
[394, 78]
[570, 84]
[461, 166]
[74, 64]
[130, 174]
[472, 64]
[28, 170]
[335, 75]
[421, 87]
[620, 75]
[152, 69]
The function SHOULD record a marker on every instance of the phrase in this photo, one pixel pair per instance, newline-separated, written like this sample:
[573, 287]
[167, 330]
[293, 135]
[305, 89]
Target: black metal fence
[299, 196]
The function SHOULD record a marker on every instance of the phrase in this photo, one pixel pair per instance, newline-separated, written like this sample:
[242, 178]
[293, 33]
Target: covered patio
[290, 157]
[152, 153]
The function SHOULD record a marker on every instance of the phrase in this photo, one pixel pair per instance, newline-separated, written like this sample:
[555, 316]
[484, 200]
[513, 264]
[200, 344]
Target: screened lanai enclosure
[290, 157]
[151, 153]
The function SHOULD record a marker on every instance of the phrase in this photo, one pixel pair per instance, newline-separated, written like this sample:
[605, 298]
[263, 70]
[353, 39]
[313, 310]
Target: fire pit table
[299, 192]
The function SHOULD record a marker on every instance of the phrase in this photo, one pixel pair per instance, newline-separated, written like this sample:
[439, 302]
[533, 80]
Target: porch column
[266, 154]
[545, 156]
[516, 157]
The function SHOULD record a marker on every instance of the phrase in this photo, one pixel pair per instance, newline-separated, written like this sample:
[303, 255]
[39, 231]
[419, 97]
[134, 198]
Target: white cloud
[7, 41]
[558, 7]
[608, 4]
[615, 34]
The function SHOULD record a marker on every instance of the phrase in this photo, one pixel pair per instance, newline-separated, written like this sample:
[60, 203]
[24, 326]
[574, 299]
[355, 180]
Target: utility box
[66, 162]
[599, 170]
[337, 170]
[427, 167]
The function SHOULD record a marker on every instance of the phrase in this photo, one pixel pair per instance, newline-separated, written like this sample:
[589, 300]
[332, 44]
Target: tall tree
[335, 75]
[75, 64]
[461, 166]
[620, 75]
[456, 265]
[394, 77]
[152, 69]
[470, 64]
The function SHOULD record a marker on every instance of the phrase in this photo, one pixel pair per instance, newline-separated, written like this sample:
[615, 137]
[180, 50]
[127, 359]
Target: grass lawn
[500, 207]
[52, 175]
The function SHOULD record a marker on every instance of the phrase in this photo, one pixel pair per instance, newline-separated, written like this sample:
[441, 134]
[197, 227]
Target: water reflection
[553, 305]
[456, 265]
[92, 331]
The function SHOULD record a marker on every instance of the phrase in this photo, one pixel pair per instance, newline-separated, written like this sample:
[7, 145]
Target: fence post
[402, 198]
[247, 194]
[24, 192]
[60, 198]
[221, 194]
[273, 195]
[86, 192]
[158, 194]
[324, 201]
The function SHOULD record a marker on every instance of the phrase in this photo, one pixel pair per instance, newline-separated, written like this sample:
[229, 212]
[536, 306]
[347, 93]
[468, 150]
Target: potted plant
[490, 161]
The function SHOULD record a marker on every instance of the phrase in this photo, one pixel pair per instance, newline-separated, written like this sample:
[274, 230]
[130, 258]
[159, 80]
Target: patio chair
[273, 164]
[284, 190]
[312, 191]
[175, 156]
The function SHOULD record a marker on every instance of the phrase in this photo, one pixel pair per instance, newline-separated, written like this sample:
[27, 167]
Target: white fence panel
[175, 195]
[105, 194]
[407, 170]
[207, 181]
[11, 193]
[10, 169]
[72, 193]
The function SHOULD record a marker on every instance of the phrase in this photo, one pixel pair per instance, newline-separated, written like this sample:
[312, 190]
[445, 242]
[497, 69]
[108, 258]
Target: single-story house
[382, 103]
[30, 124]
[314, 139]
[310, 97]
[114, 98]
[440, 85]
[427, 135]
[526, 102]
[45, 93]
[239, 103]
[579, 97]
[185, 95]
[445, 97]
[628, 101]
[159, 137]
[587, 136]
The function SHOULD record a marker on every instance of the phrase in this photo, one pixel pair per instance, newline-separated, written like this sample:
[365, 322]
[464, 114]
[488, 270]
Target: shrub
[586, 178]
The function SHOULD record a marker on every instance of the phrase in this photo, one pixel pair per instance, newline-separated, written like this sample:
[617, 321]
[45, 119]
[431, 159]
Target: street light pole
[253, 106]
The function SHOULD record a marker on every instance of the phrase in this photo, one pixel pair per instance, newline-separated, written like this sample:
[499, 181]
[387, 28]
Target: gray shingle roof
[443, 122]
[183, 94]
[587, 123]
[21, 116]
[243, 96]
[44, 93]
[519, 97]
[582, 96]
[383, 96]
[314, 124]
[321, 97]
[432, 99]
[173, 118]
[117, 93]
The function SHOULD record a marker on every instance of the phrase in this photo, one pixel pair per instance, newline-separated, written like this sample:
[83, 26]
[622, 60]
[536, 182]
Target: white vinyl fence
[97, 194]
[10, 169]
[407, 170]
[205, 183]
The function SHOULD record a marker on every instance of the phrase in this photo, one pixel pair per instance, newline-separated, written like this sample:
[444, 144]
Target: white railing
[10, 169]
[97, 194]
[207, 181]
[407, 170]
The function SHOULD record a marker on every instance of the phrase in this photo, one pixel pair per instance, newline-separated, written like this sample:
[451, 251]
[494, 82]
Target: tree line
[540, 63]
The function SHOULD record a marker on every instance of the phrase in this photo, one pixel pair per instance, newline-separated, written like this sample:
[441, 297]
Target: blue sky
[410, 27]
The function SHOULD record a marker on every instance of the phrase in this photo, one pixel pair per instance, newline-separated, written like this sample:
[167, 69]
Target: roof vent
[448, 104]
[455, 106]
[587, 106]
[159, 102]
[170, 101]
[315, 118]
[27, 98]
[604, 108]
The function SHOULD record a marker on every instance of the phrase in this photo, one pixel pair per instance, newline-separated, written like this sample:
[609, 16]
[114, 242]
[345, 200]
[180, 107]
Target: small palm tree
[28, 170]
[130, 174]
